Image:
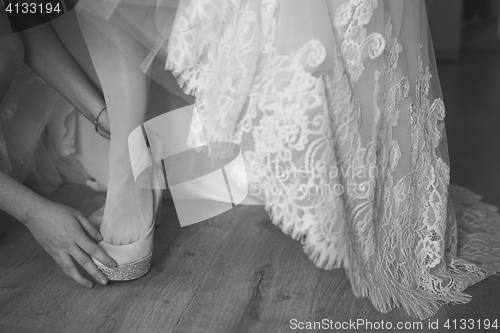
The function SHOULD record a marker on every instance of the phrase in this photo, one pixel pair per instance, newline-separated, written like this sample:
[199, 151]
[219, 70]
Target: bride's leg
[128, 212]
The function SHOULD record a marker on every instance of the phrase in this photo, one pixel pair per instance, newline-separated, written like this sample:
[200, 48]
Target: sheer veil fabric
[337, 107]
[37, 134]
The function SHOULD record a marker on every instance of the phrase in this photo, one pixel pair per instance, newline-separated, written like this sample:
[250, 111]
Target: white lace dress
[337, 107]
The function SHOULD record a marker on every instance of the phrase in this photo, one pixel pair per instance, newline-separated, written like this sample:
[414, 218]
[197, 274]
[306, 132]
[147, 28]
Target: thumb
[89, 228]
[96, 217]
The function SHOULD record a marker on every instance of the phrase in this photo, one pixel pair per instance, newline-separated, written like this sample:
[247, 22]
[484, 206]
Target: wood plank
[233, 273]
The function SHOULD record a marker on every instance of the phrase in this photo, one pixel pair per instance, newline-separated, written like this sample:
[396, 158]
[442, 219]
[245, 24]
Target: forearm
[11, 54]
[50, 59]
[18, 200]
[62, 231]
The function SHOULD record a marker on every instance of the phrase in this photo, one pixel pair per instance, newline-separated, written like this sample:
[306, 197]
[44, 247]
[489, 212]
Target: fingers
[104, 130]
[104, 134]
[86, 262]
[96, 252]
[91, 248]
[70, 270]
[89, 228]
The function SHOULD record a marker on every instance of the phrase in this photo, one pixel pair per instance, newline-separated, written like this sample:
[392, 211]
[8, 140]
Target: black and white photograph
[235, 166]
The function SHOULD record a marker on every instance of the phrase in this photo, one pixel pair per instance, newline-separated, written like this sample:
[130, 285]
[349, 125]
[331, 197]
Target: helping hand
[66, 234]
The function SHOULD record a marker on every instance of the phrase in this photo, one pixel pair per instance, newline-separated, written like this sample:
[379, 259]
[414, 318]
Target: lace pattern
[213, 51]
[355, 45]
[353, 171]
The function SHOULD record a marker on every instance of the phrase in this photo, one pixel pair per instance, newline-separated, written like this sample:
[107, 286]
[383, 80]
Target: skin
[128, 211]
[62, 231]
[48, 57]
[44, 52]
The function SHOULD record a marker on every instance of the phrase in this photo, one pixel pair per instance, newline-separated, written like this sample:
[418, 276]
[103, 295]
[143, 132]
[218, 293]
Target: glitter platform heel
[133, 259]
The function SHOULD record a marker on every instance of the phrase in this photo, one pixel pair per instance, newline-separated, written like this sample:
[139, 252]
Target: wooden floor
[239, 273]
[235, 273]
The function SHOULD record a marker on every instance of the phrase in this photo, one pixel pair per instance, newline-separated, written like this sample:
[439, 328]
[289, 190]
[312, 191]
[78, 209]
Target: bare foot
[128, 213]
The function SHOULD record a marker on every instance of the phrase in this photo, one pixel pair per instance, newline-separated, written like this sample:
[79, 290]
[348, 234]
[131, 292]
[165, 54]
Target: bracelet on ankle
[96, 122]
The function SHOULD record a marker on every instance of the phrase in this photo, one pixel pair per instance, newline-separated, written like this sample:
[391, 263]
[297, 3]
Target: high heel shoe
[134, 259]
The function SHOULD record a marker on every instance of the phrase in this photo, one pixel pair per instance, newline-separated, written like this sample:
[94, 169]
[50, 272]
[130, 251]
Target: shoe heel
[134, 260]
[161, 178]
[128, 272]
[158, 213]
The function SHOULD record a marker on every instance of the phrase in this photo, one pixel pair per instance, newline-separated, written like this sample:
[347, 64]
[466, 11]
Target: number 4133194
[472, 324]
[32, 8]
